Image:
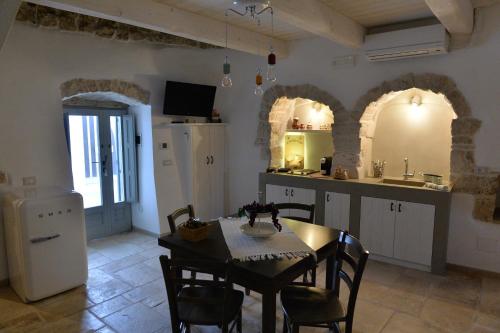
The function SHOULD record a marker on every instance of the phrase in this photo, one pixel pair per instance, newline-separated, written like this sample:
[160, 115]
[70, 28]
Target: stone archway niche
[463, 171]
[276, 113]
[392, 129]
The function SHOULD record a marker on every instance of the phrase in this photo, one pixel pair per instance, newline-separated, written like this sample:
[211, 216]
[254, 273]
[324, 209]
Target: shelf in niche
[307, 131]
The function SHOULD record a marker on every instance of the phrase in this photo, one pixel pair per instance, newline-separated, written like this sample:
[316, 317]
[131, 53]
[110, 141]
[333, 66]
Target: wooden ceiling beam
[161, 17]
[456, 15]
[8, 11]
[320, 19]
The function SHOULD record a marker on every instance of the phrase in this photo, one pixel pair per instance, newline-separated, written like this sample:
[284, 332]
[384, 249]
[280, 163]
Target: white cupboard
[200, 158]
[337, 210]
[398, 229]
[285, 194]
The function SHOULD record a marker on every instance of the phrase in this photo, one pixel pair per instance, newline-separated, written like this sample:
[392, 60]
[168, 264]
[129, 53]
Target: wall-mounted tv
[188, 99]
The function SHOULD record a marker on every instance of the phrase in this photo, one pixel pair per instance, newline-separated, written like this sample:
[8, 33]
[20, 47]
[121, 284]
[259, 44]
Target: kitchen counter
[356, 189]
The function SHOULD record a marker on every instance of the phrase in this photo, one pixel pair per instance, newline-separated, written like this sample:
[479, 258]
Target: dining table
[266, 277]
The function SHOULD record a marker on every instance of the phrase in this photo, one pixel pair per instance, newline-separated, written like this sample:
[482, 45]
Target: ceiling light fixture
[253, 9]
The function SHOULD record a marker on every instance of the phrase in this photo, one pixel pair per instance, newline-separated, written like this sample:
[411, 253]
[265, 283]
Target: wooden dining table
[266, 277]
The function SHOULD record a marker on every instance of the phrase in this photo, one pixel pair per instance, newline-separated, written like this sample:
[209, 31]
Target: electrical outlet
[163, 146]
[29, 181]
[167, 162]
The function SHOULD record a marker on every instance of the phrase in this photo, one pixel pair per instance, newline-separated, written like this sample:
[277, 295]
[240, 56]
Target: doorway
[102, 149]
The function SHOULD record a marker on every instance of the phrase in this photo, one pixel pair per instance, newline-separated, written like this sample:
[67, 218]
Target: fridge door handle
[44, 239]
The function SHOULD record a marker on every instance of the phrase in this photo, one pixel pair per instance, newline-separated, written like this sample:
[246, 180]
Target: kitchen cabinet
[200, 156]
[286, 194]
[337, 208]
[398, 229]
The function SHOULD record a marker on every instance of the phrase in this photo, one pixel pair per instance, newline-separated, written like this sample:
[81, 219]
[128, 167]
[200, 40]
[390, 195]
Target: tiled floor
[125, 293]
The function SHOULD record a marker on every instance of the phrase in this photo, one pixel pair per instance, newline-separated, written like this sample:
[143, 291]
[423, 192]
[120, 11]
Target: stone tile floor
[125, 293]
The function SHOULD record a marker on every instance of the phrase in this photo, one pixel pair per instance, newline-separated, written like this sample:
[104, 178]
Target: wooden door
[337, 210]
[278, 194]
[200, 148]
[414, 232]
[217, 171]
[303, 196]
[377, 225]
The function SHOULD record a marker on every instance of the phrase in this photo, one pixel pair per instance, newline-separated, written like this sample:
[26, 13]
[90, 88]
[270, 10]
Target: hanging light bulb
[271, 64]
[226, 79]
[258, 84]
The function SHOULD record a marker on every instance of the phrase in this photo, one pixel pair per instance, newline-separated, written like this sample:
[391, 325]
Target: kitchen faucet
[407, 175]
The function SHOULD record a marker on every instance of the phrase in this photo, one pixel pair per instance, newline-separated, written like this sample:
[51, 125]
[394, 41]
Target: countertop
[367, 181]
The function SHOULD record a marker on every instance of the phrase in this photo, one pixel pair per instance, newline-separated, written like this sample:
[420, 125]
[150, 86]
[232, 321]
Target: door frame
[108, 205]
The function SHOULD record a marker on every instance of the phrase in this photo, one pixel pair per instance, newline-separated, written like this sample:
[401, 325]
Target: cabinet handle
[399, 208]
[286, 192]
[291, 192]
[208, 160]
[327, 197]
[392, 206]
[211, 159]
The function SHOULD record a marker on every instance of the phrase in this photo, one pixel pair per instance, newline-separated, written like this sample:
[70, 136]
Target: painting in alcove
[294, 151]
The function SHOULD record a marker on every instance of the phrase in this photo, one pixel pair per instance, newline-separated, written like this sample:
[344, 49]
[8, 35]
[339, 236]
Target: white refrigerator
[45, 241]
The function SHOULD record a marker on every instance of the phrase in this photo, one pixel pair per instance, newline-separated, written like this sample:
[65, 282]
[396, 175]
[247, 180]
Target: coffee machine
[326, 165]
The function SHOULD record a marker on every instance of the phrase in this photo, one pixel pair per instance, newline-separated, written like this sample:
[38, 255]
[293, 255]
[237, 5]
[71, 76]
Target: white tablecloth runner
[284, 244]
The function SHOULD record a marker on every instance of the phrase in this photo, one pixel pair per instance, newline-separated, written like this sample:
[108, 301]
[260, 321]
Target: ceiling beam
[161, 17]
[456, 15]
[8, 11]
[320, 19]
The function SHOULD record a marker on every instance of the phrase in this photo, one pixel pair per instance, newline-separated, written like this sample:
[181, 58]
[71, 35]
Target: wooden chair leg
[295, 328]
[239, 323]
[285, 324]
[247, 291]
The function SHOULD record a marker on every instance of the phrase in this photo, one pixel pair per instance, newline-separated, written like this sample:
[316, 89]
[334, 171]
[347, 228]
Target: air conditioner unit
[407, 43]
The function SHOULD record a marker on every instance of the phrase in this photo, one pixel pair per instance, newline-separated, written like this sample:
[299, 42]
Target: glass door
[96, 141]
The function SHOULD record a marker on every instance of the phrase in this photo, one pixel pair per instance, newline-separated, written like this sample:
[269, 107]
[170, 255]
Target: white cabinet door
[278, 194]
[217, 171]
[303, 196]
[377, 225]
[200, 145]
[414, 232]
[337, 208]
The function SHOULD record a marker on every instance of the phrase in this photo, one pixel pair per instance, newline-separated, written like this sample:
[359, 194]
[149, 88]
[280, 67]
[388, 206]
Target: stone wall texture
[105, 90]
[353, 133]
[41, 16]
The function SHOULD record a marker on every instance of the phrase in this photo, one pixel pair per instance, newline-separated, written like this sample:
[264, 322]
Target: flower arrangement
[254, 209]
[193, 230]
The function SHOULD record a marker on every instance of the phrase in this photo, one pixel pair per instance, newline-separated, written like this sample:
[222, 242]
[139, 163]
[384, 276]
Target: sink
[402, 182]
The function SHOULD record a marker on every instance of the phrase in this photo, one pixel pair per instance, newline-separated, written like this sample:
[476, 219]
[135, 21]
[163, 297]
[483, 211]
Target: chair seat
[311, 305]
[209, 313]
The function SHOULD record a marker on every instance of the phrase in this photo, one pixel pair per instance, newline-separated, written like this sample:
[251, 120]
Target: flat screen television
[188, 99]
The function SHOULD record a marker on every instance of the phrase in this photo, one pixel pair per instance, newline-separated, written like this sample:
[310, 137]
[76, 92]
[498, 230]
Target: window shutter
[130, 158]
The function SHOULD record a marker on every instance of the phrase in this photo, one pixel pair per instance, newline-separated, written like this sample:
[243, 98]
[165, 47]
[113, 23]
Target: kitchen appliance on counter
[45, 241]
[326, 165]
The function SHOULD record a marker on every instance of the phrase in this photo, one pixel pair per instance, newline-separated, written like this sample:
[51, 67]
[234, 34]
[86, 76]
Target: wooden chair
[316, 307]
[189, 211]
[309, 278]
[201, 302]
[298, 206]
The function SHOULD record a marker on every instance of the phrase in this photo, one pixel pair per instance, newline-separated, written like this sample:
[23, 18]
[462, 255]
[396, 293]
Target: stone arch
[305, 91]
[105, 90]
[463, 171]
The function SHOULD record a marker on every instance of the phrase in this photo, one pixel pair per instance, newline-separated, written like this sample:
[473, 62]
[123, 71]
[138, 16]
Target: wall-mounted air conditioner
[406, 43]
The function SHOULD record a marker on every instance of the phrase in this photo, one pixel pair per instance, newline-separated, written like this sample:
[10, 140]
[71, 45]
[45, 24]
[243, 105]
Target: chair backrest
[298, 206]
[174, 282]
[349, 251]
[178, 213]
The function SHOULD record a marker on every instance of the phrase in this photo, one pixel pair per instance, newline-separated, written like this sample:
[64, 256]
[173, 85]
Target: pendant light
[226, 68]
[271, 58]
[258, 84]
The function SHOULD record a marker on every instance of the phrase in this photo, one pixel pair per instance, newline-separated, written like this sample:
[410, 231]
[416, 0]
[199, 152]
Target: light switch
[29, 181]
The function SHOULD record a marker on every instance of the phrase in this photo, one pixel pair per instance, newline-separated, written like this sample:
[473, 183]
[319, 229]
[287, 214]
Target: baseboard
[144, 231]
[472, 271]
[398, 262]
[4, 283]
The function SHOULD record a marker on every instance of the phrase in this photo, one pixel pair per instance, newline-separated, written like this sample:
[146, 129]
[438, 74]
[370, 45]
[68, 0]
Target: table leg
[330, 260]
[269, 312]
